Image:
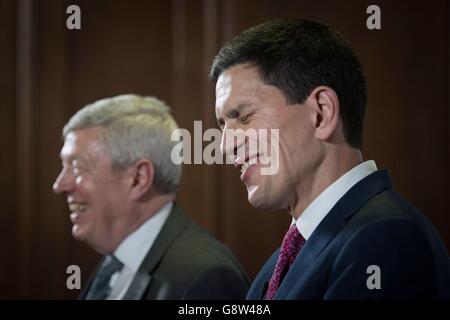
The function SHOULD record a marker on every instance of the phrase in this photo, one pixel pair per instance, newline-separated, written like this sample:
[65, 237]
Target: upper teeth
[76, 207]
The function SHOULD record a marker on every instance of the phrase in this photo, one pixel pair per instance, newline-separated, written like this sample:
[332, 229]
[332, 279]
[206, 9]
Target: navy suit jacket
[370, 225]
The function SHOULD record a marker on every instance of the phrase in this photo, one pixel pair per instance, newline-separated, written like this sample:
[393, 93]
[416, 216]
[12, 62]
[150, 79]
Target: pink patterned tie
[292, 243]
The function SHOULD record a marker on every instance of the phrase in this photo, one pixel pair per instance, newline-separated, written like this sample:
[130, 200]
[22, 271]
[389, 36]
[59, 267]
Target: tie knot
[110, 266]
[100, 288]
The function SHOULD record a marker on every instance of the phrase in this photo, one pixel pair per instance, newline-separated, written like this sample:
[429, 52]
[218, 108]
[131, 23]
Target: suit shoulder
[201, 267]
[386, 229]
[196, 249]
[386, 219]
[389, 207]
[389, 232]
[204, 246]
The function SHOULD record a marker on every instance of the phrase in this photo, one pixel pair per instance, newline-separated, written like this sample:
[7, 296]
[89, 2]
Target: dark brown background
[164, 48]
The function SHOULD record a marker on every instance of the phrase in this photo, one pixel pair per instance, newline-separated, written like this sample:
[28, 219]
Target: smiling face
[244, 102]
[96, 194]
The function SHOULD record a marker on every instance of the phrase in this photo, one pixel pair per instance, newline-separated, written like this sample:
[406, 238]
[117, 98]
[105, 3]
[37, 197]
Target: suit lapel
[332, 224]
[175, 224]
[138, 286]
[260, 285]
[318, 241]
[315, 244]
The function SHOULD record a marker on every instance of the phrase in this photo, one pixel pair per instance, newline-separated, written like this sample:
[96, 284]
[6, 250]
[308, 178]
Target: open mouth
[77, 207]
[248, 163]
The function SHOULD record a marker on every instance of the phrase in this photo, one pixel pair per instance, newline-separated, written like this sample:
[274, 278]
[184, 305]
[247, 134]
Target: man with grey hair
[120, 185]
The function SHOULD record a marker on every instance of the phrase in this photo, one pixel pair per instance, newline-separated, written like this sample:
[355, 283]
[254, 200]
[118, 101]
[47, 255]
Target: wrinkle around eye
[245, 119]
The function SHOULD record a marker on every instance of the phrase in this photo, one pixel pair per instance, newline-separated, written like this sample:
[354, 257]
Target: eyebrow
[233, 113]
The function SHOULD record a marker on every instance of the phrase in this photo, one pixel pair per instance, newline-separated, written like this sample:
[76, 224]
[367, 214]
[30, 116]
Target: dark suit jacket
[370, 225]
[185, 262]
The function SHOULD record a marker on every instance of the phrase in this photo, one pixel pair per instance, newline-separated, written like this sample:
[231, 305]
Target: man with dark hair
[352, 236]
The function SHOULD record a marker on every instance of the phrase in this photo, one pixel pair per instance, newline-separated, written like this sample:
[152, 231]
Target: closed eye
[245, 119]
[78, 166]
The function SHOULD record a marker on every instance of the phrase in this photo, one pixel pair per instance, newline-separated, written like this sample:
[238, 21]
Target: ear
[327, 111]
[142, 176]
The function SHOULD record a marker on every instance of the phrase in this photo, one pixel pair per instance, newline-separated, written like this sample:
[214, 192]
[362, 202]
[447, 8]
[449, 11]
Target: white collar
[133, 249]
[311, 217]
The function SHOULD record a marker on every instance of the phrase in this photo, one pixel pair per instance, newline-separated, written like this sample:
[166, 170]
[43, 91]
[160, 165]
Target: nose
[64, 182]
[232, 140]
[225, 147]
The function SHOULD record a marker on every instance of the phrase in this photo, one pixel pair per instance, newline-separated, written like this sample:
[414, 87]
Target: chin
[263, 200]
[77, 233]
[258, 200]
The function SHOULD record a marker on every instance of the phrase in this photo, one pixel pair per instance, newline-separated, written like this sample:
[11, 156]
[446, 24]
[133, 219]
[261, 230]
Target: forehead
[83, 142]
[236, 84]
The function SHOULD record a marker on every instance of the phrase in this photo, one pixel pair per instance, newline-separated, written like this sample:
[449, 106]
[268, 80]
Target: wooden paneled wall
[164, 48]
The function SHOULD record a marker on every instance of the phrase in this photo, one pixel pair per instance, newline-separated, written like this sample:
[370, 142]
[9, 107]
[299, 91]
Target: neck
[335, 164]
[136, 217]
[150, 208]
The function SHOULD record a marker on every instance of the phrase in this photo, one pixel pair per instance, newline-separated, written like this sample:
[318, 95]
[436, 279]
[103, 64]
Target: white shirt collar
[133, 249]
[319, 208]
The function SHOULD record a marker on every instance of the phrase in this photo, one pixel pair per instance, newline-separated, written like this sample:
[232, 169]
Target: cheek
[294, 155]
[87, 189]
[81, 185]
[299, 139]
[113, 195]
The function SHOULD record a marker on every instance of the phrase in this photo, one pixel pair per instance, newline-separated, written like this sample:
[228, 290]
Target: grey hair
[136, 128]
